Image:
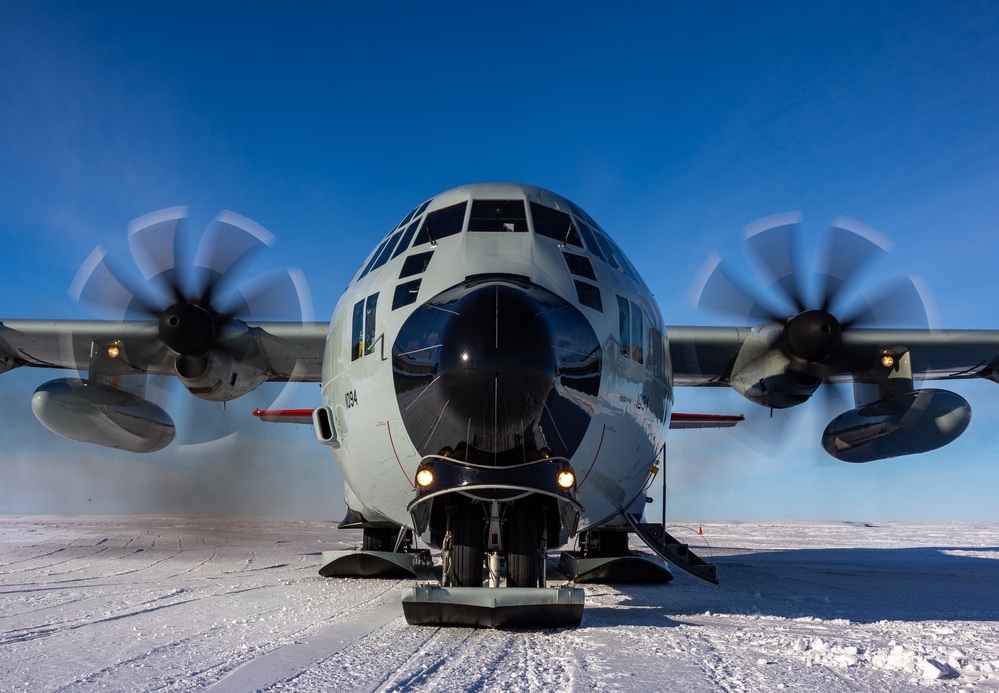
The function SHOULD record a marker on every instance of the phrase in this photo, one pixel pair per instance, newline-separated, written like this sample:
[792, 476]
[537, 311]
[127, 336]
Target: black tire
[523, 547]
[467, 546]
[379, 538]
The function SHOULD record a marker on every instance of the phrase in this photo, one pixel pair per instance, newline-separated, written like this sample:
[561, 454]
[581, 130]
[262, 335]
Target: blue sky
[673, 125]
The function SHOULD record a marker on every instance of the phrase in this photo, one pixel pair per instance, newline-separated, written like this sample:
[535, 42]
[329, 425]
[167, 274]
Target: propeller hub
[813, 335]
[187, 328]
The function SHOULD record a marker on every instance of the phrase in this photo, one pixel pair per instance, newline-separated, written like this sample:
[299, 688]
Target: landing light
[424, 477]
[565, 479]
[887, 361]
[113, 352]
[464, 356]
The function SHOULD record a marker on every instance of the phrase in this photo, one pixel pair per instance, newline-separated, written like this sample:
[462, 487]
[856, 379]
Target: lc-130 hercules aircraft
[496, 379]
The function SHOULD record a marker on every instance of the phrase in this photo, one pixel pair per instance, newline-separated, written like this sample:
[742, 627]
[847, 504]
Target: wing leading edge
[283, 351]
[707, 356]
[781, 364]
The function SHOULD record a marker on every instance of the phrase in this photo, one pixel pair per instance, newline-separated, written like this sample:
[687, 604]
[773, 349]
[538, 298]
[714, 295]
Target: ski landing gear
[386, 552]
[480, 534]
[605, 557]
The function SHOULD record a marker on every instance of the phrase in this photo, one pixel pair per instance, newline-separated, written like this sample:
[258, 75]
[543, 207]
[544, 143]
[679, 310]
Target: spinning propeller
[805, 309]
[192, 301]
[815, 306]
[200, 300]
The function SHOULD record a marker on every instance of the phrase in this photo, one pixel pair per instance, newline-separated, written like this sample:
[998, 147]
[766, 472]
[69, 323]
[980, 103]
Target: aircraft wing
[282, 350]
[708, 356]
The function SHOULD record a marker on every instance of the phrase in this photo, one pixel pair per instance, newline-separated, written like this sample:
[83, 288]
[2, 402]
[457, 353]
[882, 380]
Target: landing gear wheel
[523, 547]
[467, 549]
[379, 538]
[609, 544]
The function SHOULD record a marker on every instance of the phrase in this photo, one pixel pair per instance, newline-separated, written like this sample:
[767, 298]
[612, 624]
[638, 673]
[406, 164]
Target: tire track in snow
[286, 663]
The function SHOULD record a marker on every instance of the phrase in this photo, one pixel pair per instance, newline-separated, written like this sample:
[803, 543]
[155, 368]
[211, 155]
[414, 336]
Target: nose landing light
[424, 477]
[565, 479]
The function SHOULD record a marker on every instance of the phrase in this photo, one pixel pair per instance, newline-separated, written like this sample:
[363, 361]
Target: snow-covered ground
[165, 603]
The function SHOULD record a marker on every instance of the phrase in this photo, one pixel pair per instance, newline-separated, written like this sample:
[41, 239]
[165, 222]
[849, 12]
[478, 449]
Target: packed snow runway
[162, 603]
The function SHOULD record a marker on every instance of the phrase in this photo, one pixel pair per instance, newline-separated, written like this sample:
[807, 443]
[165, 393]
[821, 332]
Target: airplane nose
[496, 371]
[496, 344]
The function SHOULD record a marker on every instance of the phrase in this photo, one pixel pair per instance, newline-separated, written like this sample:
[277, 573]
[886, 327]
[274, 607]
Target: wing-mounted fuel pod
[891, 418]
[108, 408]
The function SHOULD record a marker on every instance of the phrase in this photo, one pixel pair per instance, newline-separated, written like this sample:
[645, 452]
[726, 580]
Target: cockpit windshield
[498, 215]
[554, 218]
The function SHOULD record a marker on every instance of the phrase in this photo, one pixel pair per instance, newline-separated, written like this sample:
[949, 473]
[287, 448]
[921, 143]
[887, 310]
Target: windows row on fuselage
[576, 230]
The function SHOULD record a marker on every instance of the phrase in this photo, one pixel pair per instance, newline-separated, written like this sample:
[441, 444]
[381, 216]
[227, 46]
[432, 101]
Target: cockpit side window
[406, 293]
[421, 209]
[383, 256]
[581, 213]
[609, 254]
[409, 216]
[581, 265]
[416, 263]
[407, 236]
[624, 325]
[591, 241]
[498, 215]
[552, 223]
[374, 257]
[357, 331]
[442, 223]
[588, 295]
[631, 329]
[615, 258]
[370, 309]
[417, 211]
[637, 334]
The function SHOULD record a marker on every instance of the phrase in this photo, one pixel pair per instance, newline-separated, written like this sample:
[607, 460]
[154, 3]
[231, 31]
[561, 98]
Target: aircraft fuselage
[497, 324]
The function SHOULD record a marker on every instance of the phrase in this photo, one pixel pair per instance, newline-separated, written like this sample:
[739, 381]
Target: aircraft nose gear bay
[497, 381]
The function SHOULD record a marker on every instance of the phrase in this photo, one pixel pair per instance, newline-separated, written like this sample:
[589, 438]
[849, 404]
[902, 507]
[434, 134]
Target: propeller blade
[769, 432]
[152, 240]
[229, 241]
[277, 294]
[102, 289]
[718, 289]
[903, 302]
[850, 247]
[198, 422]
[771, 246]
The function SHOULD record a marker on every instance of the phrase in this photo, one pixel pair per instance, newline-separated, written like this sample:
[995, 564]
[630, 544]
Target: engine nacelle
[101, 415]
[763, 373]
[7, 362]
[907, 424]
[217, 376]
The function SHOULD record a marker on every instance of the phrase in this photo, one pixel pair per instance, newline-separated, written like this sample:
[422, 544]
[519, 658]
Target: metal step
[668, 548]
